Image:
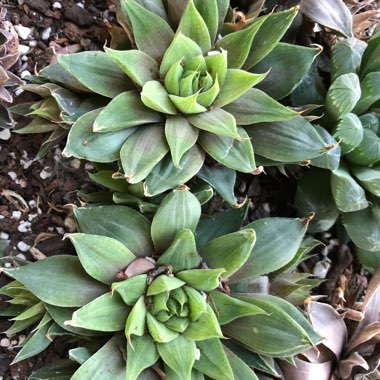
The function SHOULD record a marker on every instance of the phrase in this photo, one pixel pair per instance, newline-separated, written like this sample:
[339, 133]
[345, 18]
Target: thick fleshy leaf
[181, 47]
[188, 104]
[151, 33]
[348, 132]
[342, 95]
[96, 71]
[111, 221]
[102, 257]
[124, 111]
[182, 253]
[368, 151]
[222, 179]
[333, 14]
[206, 98]
[193, 26]
[83, 143]
[163, 284]
[142, 151]
[104, 178]
[131, 289]
[154, 96]
[255, 106]
[206, 327]
[348, 194]
[363, 227]
[217, 66]
[58, 270]
[140, 67]
[369, 92]
[201, 279]
[236, 83]
[210, 14]
[141, 353]
[135, 324]
[278, 240]
[213, 361]
[268, 37]
[369, 178]
[179, 355]
[314, 195]
[295, 140]
[228, 308]
[179, 210]
[233, 153]
[180, 135]
[240, 369]
[173, 77]
[346, 56]
[166, 176]
[292, 59]
[238, 44]
[105, 313]
[159, 332]
[197, 303]
[230, 251]
[216, 121]
[105, 361]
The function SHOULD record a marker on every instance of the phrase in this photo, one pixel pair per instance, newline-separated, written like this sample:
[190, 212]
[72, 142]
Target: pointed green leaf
[205, 327]
[160, 333]
[342, 95]
[230, 251]
[348, 132]
[213, 361]
[58, 270]
[257, 107]
[180, 48]
[180, 135]
[197, 303]
[135, 324]
[369, 178]
[217, 66]
[369, 92]
[102, 257]
[105, 313]
[37, 309]
[83, 143]
[268, 37]
[348, 194]
[179, 355]
[105, 361]
[216, 121]
[237, 82]
[141, 354]
[206, 98]
[97, 71]
[238, 44]
[124, 111]
[240, 369]
[166, 176]
[131, 289]
[233, 153]
[182, 252]
[173, 77]
[151, 33]
[292, 59]
[193, 26]
[154, 96]
[140, 67]
[278, 240]
[179, 210]
[188, 104]
[210, 14]
[162, 284]
[201, 279]
[368, 151]
[111, 221]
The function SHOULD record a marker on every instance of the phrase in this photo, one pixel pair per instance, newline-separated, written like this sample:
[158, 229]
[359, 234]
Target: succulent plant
[351, 189]
[176, 291]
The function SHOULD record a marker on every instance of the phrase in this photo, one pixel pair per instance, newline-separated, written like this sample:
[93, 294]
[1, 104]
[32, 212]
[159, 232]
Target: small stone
[5, 134]
[70, 223]
[23, 183]
[2, 217]
[5, 342]
[32, 203]
[75, 163]
[60, 230]
[25, 73]
[26, 164]
[57, 5]
[46, 172]
[13, 175]
[4, 235]
[23, 49]
[321, 268]
[24, 58]
[23, 31]
[14, 342]
[16, 214]
[24, 226]
[23, 247]
[33, 43]
[31, 217]
[46, 34]
[18, 91]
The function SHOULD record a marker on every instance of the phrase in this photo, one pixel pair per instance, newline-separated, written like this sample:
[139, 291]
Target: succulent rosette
[168, 289]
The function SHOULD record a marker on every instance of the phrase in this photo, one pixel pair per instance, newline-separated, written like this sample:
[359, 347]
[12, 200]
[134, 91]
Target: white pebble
[321, 268]
[7, 265]
[80, 5]
[5, 134]
[60, 230]
[2, 217]
[23, 49]
[24, 226]
[26, 164]
[14, 342]
[5, 342]
[4, 235]
[23, 247]
[25, 73]
[23, 31]
[45, 173]
[18, 91]
[197, 354]
[13, 175]
[57, 5]
[23, 183]
[50, 229]
[31, 217]
[46, 34]
[16, 214]
[33, 43]
[24, 58]
[75, 163]
[39, 211]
